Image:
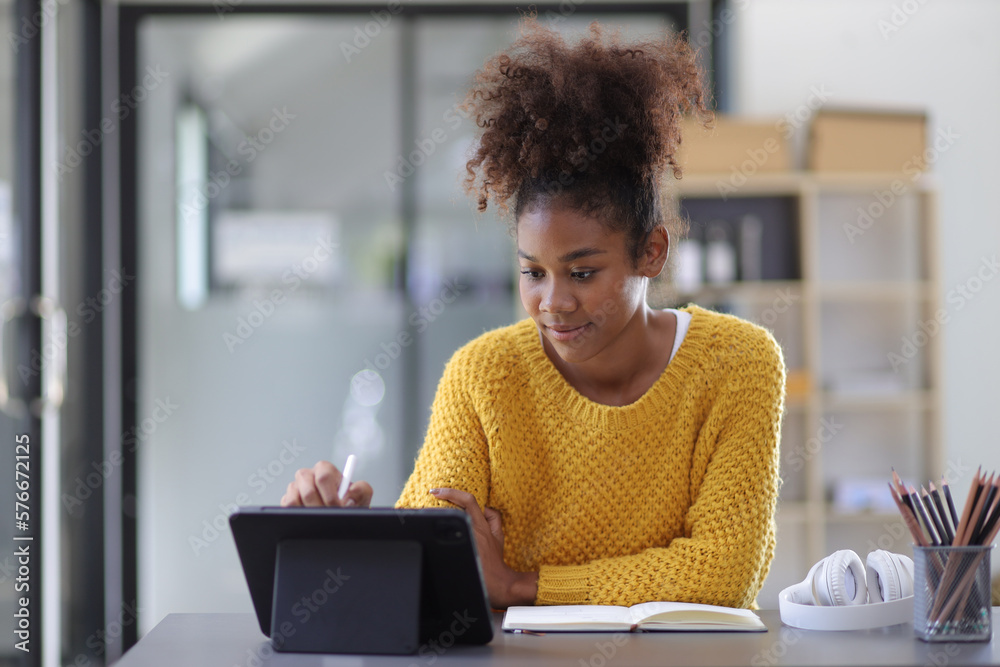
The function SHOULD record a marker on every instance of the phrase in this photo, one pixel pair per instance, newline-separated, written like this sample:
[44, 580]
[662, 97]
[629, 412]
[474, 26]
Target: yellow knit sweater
[669, 498]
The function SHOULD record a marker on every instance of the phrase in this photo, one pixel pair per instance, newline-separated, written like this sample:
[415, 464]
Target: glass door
[306, 260]
[270, 265]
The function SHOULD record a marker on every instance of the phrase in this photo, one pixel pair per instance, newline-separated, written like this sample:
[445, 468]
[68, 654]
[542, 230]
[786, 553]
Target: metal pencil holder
[952, 594]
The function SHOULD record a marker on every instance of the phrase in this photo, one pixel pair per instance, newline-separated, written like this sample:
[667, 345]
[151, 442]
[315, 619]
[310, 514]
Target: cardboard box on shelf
[844, 140]
[748, 146]
[798, 384]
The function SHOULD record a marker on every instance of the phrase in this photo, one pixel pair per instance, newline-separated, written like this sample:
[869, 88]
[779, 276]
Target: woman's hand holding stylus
[319, 486]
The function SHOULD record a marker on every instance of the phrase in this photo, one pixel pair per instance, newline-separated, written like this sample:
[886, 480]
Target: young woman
[606, 452]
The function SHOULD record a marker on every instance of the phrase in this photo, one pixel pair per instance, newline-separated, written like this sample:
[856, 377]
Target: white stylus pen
[345, 481]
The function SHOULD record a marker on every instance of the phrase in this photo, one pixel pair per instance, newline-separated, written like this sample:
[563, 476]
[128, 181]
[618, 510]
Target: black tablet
[338, 580]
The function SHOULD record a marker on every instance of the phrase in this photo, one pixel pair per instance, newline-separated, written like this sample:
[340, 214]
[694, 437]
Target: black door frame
[27, 205]
[81, 439]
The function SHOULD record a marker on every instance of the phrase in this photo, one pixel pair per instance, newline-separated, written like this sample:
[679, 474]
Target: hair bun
[579, 111]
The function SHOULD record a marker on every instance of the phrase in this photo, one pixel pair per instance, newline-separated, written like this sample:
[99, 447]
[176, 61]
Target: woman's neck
[626, 369]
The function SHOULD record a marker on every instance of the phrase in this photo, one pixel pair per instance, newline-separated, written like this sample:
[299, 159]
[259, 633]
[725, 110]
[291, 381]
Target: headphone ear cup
[842, 581]
[804, 591]
[889, 576]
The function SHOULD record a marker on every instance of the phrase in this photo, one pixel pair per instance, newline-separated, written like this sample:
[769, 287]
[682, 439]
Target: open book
[648, 616]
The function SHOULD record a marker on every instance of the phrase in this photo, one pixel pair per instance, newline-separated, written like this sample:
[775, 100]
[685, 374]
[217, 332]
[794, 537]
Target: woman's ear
[654, 254]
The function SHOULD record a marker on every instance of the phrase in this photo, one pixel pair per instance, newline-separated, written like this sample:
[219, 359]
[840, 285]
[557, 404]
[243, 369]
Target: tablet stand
[347, 596]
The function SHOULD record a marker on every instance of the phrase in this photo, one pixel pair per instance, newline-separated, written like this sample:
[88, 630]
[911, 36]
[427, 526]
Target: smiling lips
[566, 332]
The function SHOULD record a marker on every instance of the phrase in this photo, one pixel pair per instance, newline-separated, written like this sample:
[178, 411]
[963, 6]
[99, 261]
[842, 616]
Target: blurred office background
[266, 257]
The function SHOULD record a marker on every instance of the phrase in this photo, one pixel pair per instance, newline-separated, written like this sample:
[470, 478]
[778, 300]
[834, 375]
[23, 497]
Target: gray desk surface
[234, 640]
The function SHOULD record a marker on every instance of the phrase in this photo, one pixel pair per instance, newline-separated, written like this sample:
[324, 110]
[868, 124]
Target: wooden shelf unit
[837, 324]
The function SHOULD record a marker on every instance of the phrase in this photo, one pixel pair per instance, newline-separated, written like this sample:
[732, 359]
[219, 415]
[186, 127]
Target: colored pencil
[901, 490]
[908, 518]
[948, 528]
[951, 503]
[990, 493]
[932, 513]
[931, 533]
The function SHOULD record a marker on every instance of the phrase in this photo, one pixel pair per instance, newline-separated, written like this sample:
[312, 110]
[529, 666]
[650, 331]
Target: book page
[685, 613]
[568, 617]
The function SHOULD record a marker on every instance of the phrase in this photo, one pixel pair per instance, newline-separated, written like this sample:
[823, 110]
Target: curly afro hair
[593, 126]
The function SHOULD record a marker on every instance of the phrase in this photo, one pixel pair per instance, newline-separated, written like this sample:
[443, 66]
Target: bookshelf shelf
[911, 400]
[876, 291]
[834, 516]
[793, 512]
[761, 291]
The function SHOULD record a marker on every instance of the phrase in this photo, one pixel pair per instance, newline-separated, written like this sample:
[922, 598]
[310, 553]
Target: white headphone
[832, 594]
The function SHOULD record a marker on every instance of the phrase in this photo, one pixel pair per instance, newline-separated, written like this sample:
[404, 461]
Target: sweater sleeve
[455, 453]
[729, 534]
